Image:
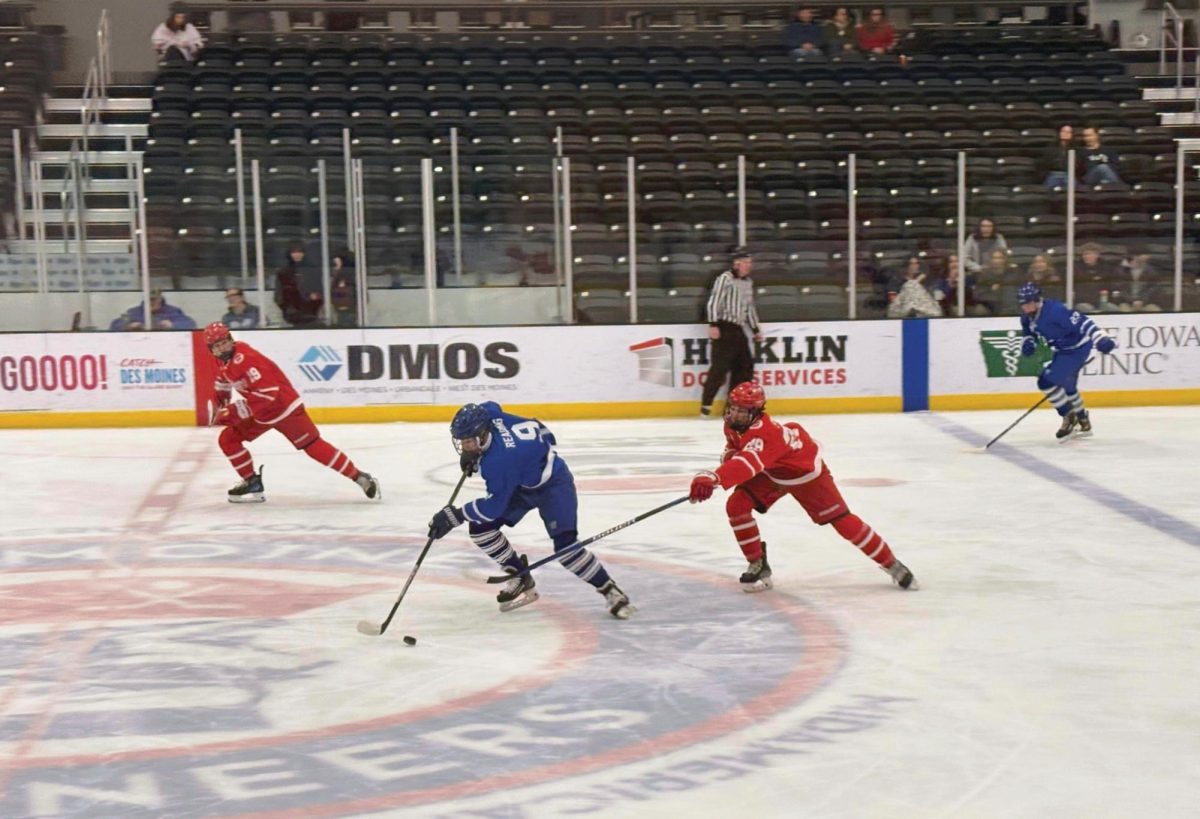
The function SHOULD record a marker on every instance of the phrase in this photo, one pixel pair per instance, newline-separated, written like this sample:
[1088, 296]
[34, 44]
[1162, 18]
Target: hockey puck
[409, 640]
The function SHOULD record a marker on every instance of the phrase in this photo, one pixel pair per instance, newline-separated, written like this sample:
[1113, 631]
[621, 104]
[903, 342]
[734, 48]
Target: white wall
[130, 24]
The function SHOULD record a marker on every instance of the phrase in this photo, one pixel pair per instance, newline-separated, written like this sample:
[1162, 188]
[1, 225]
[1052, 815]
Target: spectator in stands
[913, 300]
[1055, 160]
[1099, 162]
[343, 290]
[241, 315]
[876, 35]
[945, 289]
[300, 303]
[1093, 276]
[164, 316]
[1138, 287]
[839, 36]
[177, 40]
[981, 244]
[1041, 271]
[803, 36]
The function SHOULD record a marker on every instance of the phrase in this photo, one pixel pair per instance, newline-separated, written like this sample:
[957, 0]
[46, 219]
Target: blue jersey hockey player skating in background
[516, 458]
[1071, 335]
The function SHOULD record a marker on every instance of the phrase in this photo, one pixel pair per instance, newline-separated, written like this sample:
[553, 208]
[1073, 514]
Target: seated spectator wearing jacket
[981, 244]
[162, 315]
[913, 300]
[177, 40]
[241, 314]
[876, 35]
[1054, 161]
[1137, 286]
[1099, 162]
[294, 291]
[1093, 275]
[839, 35]
[803, 36]
[343, 290]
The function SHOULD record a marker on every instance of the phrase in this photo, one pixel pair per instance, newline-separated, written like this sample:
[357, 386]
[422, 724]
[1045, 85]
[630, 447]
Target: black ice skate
[757, 576]
[902, 577]
[519, 591]
[369, 485]
[249, 490]
[1068, 426]
[617, 600]
[1085, 425]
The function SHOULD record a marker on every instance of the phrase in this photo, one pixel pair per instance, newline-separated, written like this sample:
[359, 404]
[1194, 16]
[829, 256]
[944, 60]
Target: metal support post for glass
[39, 225]
[143, 239]
[631, 208]
[960, 238]
[238, 161]
[558, 243]
[360, 243]
[323, 213]
[1179, 191]
[456, 205]
[259, 267]
[741, 198]
[19, 181]
[568, 260]
[348, 176]
[429, 239]
[81, 246]
[852, 231]
[1070, 251]
[131, 178]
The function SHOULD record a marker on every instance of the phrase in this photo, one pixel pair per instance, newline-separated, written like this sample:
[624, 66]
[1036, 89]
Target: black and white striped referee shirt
[732, 301]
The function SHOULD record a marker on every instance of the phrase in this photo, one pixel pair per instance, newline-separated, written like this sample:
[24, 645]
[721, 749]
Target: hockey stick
[579, 544]
[369, 628]
[1027, 412]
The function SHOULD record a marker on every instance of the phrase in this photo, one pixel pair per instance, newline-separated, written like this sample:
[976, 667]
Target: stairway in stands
[108, 185]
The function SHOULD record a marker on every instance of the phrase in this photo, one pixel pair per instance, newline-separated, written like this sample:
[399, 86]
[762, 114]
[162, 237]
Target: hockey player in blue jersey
[518, 463]
[1071, 335]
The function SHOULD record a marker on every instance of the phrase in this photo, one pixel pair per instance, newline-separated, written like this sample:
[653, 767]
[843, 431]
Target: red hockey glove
[231, 414]
[702, 486]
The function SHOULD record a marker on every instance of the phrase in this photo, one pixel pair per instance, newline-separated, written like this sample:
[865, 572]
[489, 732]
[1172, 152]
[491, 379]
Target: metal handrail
[103, 56]
[1168, 10]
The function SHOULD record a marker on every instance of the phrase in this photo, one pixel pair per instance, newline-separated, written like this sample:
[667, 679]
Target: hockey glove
[445, 521]
[1106, 345]
[468, 462]
[1029, 346]
[702, 486]
[233, 413]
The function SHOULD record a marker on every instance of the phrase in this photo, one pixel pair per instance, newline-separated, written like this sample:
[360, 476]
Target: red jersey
[785, 452]
[269, 394]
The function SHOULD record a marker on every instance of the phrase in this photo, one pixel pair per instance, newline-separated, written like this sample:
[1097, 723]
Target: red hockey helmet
[217, 331]
[746, 403]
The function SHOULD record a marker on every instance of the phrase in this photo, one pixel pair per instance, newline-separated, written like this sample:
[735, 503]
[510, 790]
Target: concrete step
[90, 246]
[1170, 94]
[98, 130]
[115, 105]
[98, 186]
[1180, 118]
[99, 216]
[93, 157]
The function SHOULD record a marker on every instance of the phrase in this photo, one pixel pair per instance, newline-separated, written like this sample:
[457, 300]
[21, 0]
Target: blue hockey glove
[1106, 345]
[1029, 346]
[445, 521]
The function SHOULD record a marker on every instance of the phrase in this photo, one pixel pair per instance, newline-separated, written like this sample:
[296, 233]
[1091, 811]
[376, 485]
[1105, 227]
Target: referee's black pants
[730, 357]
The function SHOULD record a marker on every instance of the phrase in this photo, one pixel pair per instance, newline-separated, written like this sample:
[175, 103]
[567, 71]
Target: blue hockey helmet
[470, 422]
[1029, 293]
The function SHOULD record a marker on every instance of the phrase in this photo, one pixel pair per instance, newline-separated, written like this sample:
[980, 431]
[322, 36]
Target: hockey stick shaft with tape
[574, 547]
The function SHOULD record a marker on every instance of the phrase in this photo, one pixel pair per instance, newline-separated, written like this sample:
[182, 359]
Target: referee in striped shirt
[732, 320]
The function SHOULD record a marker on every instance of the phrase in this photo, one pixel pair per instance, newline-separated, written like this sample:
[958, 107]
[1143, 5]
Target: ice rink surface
[166, 653]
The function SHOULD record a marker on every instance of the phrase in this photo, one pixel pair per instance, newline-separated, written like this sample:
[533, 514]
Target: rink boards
[423, 374]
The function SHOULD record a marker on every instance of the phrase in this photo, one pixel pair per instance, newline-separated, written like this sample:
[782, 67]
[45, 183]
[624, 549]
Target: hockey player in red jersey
[269, 401]
[764, 461]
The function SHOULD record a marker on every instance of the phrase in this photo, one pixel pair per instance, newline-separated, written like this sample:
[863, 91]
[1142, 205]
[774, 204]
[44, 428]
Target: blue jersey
[1060, 326]
[520, 455]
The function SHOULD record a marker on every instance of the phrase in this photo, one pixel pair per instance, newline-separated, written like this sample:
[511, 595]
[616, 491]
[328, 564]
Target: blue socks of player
[495, 545]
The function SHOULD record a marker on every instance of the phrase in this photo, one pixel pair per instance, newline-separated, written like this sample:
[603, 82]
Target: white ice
[166, 653]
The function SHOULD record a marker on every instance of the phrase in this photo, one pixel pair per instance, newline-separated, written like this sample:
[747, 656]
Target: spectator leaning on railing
[164, 316]
[177, 40]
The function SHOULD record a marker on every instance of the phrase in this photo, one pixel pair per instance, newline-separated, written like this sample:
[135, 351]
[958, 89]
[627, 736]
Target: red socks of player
[328, 455]
[745, 529]
[865, 539]
[235, 450]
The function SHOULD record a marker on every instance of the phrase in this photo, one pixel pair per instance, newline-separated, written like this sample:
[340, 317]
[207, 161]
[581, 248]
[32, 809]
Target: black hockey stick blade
[504, 578]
